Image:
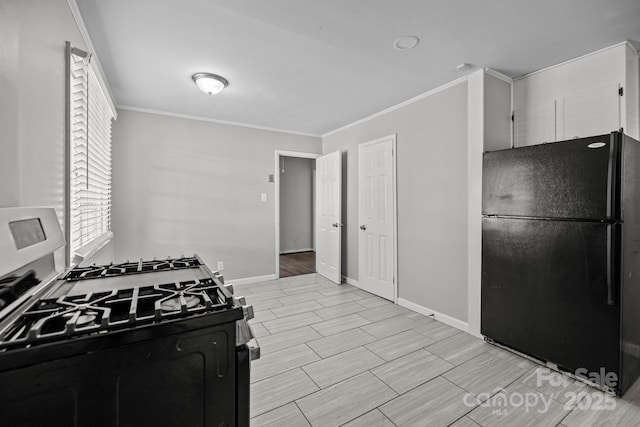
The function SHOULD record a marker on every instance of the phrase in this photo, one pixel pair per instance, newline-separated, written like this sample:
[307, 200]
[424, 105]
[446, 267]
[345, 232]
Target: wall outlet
[220, 265]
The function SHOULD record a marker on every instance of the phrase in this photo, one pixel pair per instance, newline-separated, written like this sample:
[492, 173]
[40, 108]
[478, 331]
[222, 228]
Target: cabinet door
[535, 124]
[593, 111]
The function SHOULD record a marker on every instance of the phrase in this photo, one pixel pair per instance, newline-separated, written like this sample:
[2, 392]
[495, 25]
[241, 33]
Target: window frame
[105, 109]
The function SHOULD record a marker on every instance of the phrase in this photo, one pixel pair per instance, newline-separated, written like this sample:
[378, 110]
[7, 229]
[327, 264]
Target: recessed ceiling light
[406, 42]
[210, 83]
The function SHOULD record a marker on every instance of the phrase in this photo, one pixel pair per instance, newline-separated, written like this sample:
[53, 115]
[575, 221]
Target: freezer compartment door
[549, 290]
[570, 179]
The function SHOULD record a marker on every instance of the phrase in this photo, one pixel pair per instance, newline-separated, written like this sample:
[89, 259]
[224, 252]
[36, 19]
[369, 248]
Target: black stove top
[111, 270]
[73, 315]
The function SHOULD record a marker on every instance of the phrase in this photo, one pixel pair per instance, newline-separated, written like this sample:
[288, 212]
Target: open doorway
[295, 210]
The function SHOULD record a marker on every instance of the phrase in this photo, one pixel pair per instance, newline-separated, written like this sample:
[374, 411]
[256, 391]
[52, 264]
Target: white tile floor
[335, 355]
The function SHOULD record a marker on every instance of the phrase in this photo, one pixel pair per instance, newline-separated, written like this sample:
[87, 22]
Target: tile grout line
[385, 415]
[352, 376]
[572, 409]
[347, 350]
[476, 397]
[368, 412]
[296, 399]
[429, 380]
[311, 348]
[312, 380]
[490, 396]
[397, 395]
[302, 412]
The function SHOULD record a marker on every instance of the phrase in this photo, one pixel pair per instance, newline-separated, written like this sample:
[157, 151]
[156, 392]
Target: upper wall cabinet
[534, 123]
[593, 111]
[578, 98]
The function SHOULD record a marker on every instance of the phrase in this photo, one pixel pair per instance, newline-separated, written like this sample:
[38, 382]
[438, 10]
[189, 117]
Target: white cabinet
[578, 98]
[534, 123]
[590, 112]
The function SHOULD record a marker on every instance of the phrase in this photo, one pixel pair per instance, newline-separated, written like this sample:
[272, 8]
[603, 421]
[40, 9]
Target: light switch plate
[220, 265]
[263, 197]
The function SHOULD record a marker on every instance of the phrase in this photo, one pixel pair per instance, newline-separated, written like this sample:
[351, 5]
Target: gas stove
[119, 329]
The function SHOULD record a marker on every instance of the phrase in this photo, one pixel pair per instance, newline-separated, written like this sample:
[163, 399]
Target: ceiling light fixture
[210, 83]
[406, 42]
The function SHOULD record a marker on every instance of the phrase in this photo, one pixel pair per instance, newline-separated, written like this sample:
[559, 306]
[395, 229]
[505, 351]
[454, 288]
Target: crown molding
[498, 75]
[398, 106]
[578, 58]
[210, 120]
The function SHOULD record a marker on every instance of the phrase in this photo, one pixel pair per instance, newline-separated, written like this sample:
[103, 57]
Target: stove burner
[175, 304]
[71, 315]
[97, 271]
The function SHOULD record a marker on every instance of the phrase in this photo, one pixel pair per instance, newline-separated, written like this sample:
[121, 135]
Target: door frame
[394, 187]
[276, 180]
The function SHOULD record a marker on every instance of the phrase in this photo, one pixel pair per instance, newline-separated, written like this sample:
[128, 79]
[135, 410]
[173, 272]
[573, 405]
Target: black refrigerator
[561, 255]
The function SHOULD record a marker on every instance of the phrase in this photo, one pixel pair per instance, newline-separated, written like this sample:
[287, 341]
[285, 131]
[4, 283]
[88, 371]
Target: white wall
[497, 113]
[183, 186]
[431, 193]
[296, 204]
[32, 102]
[489, 128]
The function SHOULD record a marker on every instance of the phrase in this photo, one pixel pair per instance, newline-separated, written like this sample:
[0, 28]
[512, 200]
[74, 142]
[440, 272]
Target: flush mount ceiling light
[210, 83]
[406, 42]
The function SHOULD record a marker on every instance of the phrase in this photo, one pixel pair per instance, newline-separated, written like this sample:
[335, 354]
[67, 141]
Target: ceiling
[312, 66]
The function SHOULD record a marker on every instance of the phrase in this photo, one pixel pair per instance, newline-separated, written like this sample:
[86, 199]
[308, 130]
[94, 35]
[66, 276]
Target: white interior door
[376, 214]
[329, 215]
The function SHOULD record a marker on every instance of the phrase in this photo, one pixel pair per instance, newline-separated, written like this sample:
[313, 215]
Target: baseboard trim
[451, 321]
[295, 251]
[247, 280]
[350, 281]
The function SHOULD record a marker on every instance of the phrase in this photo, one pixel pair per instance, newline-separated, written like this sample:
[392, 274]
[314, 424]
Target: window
[88, 222]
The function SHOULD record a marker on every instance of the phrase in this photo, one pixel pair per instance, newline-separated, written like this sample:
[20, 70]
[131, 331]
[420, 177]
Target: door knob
[336, 225]
[363, 227]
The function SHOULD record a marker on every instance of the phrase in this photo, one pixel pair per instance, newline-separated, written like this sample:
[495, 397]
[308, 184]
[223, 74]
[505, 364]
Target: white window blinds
[89, 195]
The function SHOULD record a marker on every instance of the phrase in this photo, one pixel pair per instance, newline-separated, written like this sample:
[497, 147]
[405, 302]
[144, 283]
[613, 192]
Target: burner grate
[110, 270]
[72, 315]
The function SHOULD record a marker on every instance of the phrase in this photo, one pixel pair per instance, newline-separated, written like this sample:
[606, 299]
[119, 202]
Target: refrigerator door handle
[612, 178]
[610, 265]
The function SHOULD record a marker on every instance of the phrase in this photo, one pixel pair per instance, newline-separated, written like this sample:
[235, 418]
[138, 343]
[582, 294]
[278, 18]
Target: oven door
[186, 379]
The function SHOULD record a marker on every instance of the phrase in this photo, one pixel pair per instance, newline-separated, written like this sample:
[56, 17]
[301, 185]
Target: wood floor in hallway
[297, 263]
